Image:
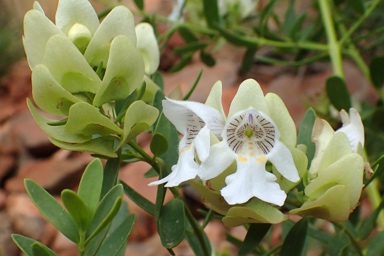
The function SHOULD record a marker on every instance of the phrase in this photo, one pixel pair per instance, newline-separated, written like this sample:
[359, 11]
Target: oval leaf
[52, 210]
[90, 185]
[172, 223]
[108, 208]
[376, 70]
[295, 240]
[338, 93]
[159, 144]
[76, 208]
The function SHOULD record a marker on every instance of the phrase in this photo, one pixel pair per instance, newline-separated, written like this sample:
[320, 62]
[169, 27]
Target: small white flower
[352, 127]
[195, 121]
[251, 139]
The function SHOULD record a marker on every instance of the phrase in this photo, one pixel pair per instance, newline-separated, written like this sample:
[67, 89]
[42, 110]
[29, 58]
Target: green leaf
[139, 117]
[138, 199]
[111, 172]
[305, 133]
[117, 239]
[159, 144]
[48, 94]
[338, 93]
[378, 168]
[295, 240]
[151, 173]
[248, 59]
[195, 243]
[76, 208]
[157, 78]
[52, 210]
[26, 245]
[376, 245]
[124, 73]
[255, 234]
[38, 249]
[370, 223]
[211, 13]
[90, 185]
[106, 211]
[207, 59]
[102, 146]
[186, 34]
[338, 244]
[172, 223]
[237, 39]
[376, 71]
[357, 5]
[85, 119]
[166, 128]
[139, 4]
[185, 60]
[190, 48]
[57, 132]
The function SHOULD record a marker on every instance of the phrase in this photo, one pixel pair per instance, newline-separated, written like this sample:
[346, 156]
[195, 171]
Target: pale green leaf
[124, 72]
[119, 21]
[85, 119]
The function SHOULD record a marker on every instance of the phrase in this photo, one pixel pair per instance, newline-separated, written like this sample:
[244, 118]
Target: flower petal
[202, 143]
[352, 127]
[254, 211]
[185, 169]
[278, 112]
[178, 112]
[282, 159]
[348, 170]
[321, 135]
[70, 12]
[333, 205]
[220, 158]
[252, 180]
[248, 95]
[148, 47]
[214, 98]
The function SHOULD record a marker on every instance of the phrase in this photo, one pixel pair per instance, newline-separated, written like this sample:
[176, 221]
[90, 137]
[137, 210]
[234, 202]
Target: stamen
[252, 128]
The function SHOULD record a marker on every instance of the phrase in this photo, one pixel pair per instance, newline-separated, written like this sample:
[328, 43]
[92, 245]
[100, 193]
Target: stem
[375, 198]
[352, 51]
[195, 226]
[355, 244]
[333, 44]
[361, 19]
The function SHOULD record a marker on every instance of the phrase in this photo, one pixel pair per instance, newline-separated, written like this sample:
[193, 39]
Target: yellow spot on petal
[252, 154]
[242, 159]
[260, 159]
[250, 148]
[186, 148]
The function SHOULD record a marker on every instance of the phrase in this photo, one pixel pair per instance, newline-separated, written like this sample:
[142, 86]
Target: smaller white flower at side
[251, 139]
[352, 127]
[195, 121]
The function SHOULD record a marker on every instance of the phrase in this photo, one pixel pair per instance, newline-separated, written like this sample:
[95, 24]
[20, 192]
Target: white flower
[352, 127]
[195, 121]
[251, 138]
[323, 132]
